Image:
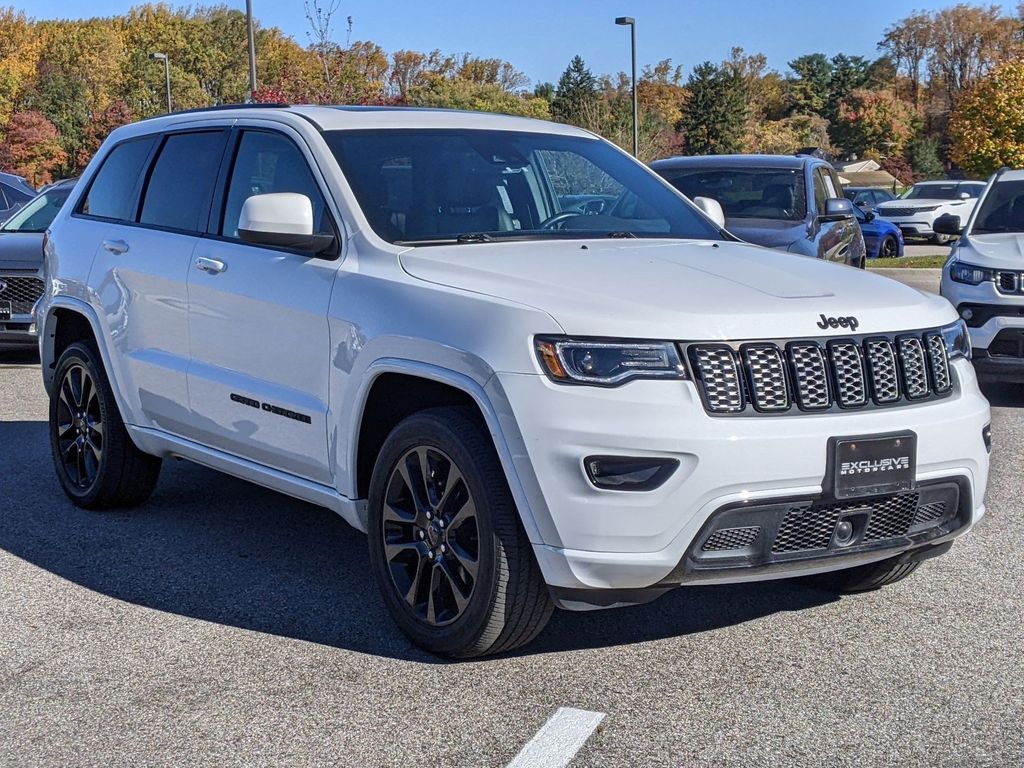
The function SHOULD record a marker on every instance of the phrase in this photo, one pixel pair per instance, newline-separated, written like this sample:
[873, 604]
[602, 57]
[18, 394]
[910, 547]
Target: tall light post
[252, 48]
[629, 21]
[167, 75]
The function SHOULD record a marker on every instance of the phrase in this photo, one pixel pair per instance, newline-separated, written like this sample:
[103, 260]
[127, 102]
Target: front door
[258, 378]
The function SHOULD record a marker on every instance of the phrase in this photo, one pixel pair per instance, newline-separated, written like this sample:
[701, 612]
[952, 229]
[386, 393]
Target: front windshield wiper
[622, 234]
[474, 237]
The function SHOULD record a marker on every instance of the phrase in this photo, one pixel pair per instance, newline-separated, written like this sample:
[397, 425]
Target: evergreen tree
[810, 87]
[576, 95]
[923, 155]
[715, 115]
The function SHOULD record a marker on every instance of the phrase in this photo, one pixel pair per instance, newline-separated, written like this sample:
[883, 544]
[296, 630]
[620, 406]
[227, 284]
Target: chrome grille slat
[780, 377]
[769, 390]
[1009, 282]
[938, 363]
[885, 380]
[719, 374]
[848, 370]
[810, 376]
[915, 376]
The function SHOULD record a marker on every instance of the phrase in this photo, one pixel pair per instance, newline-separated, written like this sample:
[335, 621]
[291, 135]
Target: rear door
[258, 379]
[149, 202]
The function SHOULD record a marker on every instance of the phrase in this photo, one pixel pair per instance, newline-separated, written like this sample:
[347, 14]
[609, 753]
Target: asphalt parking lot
[223, 624]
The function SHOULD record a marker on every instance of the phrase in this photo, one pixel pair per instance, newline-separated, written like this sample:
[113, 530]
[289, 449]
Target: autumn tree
[874, 123]
[31, 148]
[987, 128]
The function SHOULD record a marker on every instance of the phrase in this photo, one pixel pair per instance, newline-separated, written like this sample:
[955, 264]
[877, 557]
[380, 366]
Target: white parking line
[558, 740]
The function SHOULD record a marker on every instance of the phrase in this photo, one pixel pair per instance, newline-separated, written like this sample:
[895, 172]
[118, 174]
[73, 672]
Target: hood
[21, 250]
[770, 233]
[678, 289]
[1001, 251]
[918, 203]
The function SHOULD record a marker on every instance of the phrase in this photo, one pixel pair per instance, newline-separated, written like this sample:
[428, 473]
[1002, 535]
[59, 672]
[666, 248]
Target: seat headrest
[468, 190]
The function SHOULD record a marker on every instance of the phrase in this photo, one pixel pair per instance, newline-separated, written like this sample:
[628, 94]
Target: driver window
[820, 194]
[265, 163]
[579, 186]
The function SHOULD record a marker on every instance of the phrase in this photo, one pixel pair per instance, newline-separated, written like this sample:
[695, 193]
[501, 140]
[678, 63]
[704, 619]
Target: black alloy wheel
[431, 538]
[80, 427]
[889, 249]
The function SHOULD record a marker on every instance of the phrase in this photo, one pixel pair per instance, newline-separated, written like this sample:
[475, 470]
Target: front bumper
[614, 540]
[20, 330]
[995, 325]
[913, 226]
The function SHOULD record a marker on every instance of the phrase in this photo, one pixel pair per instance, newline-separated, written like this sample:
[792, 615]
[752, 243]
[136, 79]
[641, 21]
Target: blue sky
[540, 36]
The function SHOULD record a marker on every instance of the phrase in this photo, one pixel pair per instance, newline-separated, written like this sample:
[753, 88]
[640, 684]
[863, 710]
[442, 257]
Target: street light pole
[629, 21]
[167, 75]
[252, 49]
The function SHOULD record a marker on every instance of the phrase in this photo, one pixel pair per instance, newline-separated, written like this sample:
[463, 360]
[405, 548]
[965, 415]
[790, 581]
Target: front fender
[489, 397]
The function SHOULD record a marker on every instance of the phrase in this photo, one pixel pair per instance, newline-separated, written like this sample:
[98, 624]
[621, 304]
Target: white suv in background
[984, 277]
[405, 317]
[916, 211]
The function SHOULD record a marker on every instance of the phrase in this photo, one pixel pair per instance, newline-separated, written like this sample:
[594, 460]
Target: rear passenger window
[265, 163]
[112, 193]
[181, 185]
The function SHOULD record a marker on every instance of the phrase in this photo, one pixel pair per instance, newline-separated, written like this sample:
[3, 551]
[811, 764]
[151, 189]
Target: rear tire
[97, 463]
[447, 548]
[863, 578]
[941, 239]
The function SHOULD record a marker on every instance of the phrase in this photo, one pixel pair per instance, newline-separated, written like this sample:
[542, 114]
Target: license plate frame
[872, 465]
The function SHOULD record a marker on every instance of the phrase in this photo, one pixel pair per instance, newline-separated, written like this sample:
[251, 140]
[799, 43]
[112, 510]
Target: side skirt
[161, 444]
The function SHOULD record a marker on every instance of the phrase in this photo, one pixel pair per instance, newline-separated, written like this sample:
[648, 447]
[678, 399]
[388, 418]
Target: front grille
[808, 376]
[889, 212]
[22, 292]
[1010, 282]
[811, 526]
[731, 538]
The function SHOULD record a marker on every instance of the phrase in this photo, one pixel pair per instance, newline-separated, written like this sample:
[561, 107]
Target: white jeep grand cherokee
[419, 320]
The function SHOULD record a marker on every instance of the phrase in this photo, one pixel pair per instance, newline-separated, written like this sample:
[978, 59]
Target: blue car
[883, 239]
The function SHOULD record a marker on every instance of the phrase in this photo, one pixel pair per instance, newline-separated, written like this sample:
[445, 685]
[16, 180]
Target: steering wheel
[553, 221]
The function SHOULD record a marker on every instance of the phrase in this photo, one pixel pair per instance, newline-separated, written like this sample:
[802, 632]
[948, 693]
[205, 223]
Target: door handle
[210, 266]
[116, 247]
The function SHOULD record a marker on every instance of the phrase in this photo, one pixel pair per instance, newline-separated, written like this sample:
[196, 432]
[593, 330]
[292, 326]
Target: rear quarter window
[114, 188]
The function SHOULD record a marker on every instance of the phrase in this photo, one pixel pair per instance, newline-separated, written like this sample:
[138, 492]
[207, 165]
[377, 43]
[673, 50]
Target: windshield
[38, 212]
[1002, 210]
[431, 186]
[747, 193]
[951, 191]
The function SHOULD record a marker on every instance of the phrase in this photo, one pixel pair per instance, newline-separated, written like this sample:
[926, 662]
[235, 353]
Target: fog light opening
[967, 314]
[628, 473]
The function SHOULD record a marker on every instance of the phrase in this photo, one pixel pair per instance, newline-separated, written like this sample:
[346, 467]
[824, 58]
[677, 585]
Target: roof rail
[218, 108]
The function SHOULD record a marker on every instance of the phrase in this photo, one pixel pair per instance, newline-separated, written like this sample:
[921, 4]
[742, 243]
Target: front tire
[941, 239]
[97, 463]
[863, 578]
[447, 548]
[889, 248]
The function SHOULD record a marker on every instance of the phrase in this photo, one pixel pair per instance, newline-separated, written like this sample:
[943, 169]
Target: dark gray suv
[793, 203]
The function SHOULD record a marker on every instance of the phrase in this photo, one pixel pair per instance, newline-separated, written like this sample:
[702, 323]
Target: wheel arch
[422, 386]
[69, 320]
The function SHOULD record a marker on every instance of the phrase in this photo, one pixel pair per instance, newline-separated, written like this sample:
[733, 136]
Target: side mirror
[837, 208]
[712, 209]
[964, 196]
[947, 224]
[281, 220]
[869, 215]
[862, 204]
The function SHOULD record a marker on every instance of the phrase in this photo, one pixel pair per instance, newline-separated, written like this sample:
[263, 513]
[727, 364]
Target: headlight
[605, 362]
[970, 274]
[958, 340]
